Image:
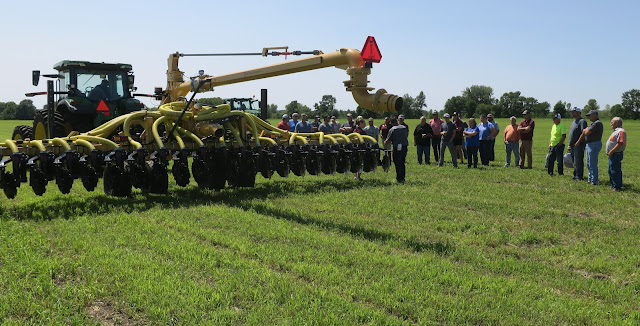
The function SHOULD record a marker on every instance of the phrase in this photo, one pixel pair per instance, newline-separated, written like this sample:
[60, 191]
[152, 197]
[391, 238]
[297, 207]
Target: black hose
[187, 106]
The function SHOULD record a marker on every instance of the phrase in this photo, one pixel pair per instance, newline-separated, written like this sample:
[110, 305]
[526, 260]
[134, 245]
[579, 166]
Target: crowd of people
[468, 140]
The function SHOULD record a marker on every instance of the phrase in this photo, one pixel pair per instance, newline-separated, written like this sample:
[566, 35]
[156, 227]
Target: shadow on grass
[68, 206]
[369, 234]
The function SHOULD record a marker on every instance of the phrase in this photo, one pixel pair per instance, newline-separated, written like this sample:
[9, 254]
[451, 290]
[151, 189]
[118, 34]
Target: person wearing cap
[592, 139]
[325, 126]
[284, 124]
[422, 140]
[293, 122]
[458, 138]
[372, 130]
[401, 121]
[384, 132]
[303, 126]
[348, 126]
[525, 128]
[616, 144]
[335, 124]
[486, 130]
[398, 138]
[436, 125]
[556, 145]
[447, 132]
[315, 124]
[511, 138]
[492, 140]
[577, 149]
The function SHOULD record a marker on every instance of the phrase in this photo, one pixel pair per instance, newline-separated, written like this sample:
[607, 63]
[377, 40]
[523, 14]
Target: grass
[451, 246]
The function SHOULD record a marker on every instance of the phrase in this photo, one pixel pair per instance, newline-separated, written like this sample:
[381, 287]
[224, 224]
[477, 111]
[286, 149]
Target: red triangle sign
[370, 51]
[103, 108]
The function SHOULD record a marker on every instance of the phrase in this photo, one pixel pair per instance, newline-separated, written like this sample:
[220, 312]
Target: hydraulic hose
[234, 131]
[38, 144]
[61, 142]
[96, 139]
[356, 135]
[82, 142]
[154, 130]
[331, 138]
[176, 135]
[342, 136]
[12, 145]
[268, 140]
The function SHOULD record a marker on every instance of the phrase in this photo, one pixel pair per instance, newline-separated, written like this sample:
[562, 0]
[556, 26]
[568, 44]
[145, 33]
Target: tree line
[21, 111]
[478, 99]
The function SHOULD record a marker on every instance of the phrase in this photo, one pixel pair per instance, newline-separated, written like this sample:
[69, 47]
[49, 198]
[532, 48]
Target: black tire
[9, 185]
[116, 181]
[64, 180]
[76, 122]
[22, 132]
[41, 125]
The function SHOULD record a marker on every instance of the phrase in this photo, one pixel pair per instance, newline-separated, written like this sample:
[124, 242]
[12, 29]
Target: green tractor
[84, 96]
[249, 105]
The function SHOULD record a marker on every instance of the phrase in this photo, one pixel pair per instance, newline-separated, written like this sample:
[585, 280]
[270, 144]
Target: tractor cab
[87, 94]
[249, 105]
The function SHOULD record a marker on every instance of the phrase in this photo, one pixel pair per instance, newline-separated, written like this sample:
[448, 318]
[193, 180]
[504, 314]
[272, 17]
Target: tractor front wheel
[22, 132]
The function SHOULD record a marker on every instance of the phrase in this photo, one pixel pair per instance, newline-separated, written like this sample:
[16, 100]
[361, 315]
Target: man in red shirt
[284, 124]
[526, 138]
[436, 125]
[384, 131]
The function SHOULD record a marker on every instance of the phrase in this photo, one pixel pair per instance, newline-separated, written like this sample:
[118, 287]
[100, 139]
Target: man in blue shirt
[303, 126]
[492, 143]
[486, 131]
[293, 122]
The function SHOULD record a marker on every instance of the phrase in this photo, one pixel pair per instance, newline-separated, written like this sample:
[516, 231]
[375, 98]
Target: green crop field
[451, 246]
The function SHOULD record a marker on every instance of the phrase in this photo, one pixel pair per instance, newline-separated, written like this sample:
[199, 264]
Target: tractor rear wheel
[22, 132]
[41, 125]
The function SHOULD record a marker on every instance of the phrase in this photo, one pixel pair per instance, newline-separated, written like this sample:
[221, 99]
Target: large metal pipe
[348, 59]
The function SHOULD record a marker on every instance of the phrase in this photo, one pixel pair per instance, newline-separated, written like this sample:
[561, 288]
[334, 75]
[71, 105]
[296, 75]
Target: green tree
[592, 105]
[511, 104]
[407, 103]
[272, 111]
[618, 111]
[479, 94]
[458, 104]
[295, 107]
[326, 106]
[415, 109]
[25, 110]
[631, 103]
[561, 107]
[541, 109]
[8, 111]
[484, 109]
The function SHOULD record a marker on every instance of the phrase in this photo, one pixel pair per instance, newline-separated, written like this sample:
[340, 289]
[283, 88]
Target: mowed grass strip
[486, 246]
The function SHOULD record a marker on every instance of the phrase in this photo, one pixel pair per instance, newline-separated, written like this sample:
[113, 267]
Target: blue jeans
[555, 155]
[512, 146]
[447, 144]
[593, 149]
[424, 150]
[577, 154]
[399, 158]
[615, 170]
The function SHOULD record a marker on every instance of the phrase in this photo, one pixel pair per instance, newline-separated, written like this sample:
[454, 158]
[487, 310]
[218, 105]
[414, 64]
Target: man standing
[526, 138]
[335, 124]
[511, 138]
[303, 126]
[616, 145]
[293, 122]
[401, 121]
[284, 124]
[315, 124]
[348, 126]
[556, 145]
[325, 126]
[422, 140]
[398, 137]
[592, 138]
[458, 138]
[486, 130]
[492, 140]
[436, 124]
[448, 130]
[577, 149]
[372, 130]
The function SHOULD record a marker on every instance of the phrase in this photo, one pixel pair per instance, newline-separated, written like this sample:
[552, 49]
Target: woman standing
[472, 142]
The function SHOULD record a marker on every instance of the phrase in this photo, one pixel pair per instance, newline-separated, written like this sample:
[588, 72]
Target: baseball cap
[401, 116]
[370, 119]
[557, 116]
[349, 115]
[447, 115]
[333, 117]
[526, 112]
[489, 115]
[317, 116]
[577, 109]
[285, 116]
[434, 113]
[592, 112]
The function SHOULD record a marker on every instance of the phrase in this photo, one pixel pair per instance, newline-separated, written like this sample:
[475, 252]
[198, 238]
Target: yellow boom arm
[348, 59]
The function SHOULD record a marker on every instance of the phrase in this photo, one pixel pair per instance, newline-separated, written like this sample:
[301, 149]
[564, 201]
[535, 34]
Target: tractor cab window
[101, 85]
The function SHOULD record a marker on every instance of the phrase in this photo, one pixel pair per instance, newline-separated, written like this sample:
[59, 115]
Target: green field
[451, 246]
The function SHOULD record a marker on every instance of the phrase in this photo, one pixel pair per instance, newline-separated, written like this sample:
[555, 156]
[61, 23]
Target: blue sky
[551, 50]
